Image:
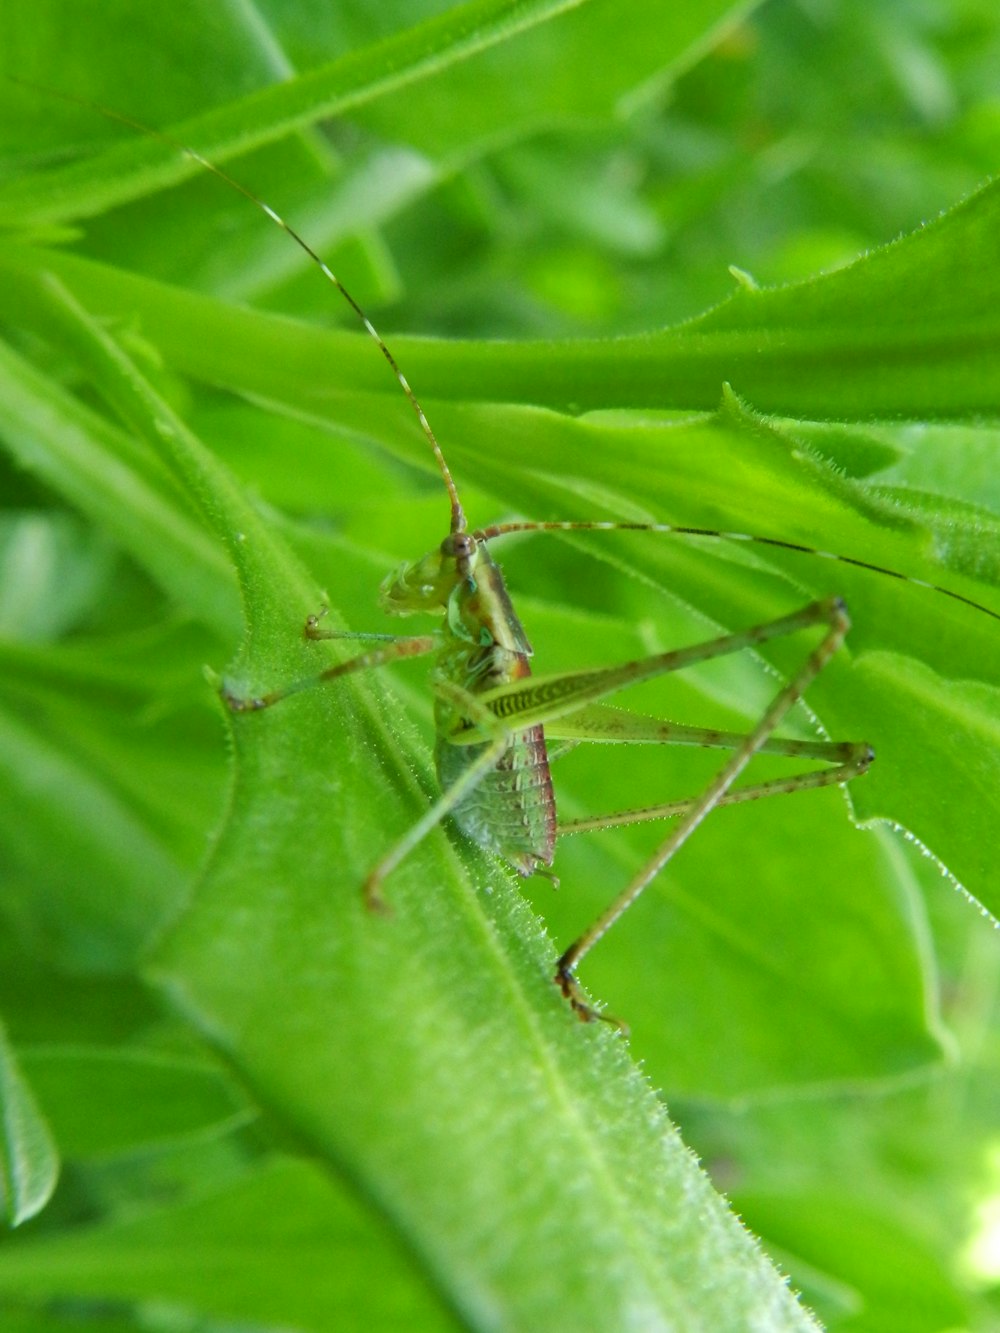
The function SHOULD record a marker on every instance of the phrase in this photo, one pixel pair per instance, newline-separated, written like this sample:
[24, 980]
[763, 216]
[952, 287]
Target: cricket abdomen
[511, 811]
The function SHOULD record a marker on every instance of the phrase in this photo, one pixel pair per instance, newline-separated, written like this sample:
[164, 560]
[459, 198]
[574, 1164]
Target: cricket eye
[458, 545]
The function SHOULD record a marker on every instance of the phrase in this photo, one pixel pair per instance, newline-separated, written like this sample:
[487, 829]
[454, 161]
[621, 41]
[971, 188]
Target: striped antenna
[506, 529]
[458, 522]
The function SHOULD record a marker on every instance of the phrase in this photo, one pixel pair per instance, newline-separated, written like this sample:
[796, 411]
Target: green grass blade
[139, 166]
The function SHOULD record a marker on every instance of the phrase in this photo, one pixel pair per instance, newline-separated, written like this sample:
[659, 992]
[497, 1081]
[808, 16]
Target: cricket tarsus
[239, 704]
[585, 1012]
[491, 713]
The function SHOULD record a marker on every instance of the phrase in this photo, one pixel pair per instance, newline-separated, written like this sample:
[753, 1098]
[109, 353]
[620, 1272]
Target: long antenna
[678, 530]
[458, 523]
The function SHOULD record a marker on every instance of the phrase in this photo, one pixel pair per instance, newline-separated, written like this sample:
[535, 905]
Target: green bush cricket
[494, 720]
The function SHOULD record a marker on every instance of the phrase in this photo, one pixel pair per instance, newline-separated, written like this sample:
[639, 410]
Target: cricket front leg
[393, 649]
[497, 737]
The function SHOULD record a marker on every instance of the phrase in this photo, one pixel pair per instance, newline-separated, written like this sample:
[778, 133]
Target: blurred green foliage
[271, 1110]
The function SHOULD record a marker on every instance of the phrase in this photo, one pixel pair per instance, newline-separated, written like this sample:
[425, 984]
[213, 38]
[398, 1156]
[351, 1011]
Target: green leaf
[473, 966]
[905, 1289]
[466, 967]
[924, 348]
[29, 1161]
[104, 1101]
[321, 1255]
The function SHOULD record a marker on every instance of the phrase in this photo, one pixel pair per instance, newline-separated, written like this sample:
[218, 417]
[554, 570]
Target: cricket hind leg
[830, 612]
[811, 781]
[848, 760]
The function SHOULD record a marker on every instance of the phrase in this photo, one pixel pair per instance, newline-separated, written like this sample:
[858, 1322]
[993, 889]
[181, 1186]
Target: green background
[733, 267]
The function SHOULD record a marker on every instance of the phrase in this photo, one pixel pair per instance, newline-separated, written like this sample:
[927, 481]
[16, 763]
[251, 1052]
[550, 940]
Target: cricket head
[427, 584]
